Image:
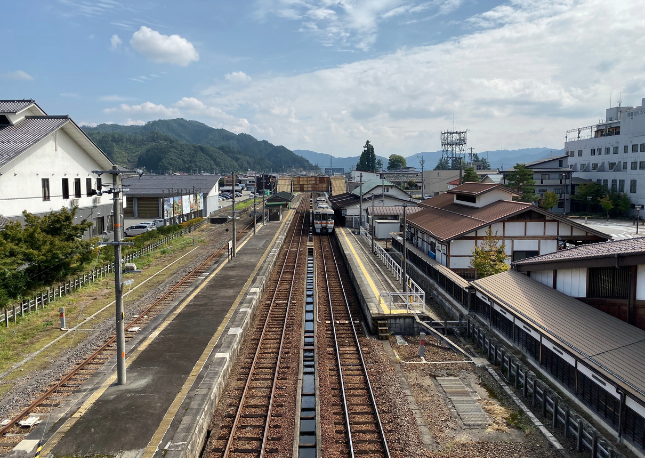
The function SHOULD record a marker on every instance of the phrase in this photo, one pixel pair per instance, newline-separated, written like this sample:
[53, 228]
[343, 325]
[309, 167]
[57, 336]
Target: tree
[410, 184]
[396, 162]
[489, 258]
[379, 164]
[470, 176]
[606, 205]
[521, 181]
[549, 200]
[483, 160]
[367, 161]
[442, 164]
[594, 190]
[621, 203]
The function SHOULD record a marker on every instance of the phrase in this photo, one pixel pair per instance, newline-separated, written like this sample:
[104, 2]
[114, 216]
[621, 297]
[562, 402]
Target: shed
[383, 227]
[280, 199]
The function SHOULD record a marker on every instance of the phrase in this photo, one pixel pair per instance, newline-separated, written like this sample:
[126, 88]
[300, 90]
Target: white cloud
[19, 75]
[163, 49]
[146, 108]
[114, 98]
[238, 77]
[115, 42]
[521, 80]
[134, 122]
[88, 124]
[71, 95]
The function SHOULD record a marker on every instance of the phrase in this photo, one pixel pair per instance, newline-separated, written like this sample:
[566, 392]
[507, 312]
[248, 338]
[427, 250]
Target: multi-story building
[47, 163]
[551, 174]
[612, 152]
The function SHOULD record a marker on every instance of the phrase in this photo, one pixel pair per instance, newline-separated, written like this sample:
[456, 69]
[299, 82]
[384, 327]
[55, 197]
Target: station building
[451, 224]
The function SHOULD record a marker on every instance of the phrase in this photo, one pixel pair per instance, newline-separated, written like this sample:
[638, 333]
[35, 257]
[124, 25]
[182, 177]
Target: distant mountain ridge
[497, 158]
[180, 145]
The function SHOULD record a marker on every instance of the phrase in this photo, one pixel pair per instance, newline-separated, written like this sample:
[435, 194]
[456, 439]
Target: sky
[326, 75]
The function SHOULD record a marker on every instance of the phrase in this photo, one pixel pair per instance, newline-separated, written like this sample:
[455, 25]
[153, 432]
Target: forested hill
[179, 145]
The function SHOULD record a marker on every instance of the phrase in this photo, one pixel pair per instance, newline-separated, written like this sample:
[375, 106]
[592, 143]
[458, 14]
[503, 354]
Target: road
[618, 229]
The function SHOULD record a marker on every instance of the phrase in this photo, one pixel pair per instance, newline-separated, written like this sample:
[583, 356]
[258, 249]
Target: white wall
[55, 157]
[548, 246]
[543, 276]
[572, 282]
[640, 283]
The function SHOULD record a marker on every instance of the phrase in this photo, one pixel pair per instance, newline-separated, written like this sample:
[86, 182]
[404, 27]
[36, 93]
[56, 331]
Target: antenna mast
[453, 147]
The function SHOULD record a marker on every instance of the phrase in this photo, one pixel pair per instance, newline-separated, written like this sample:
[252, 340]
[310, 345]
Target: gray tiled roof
[591, 250]
[14, 106]
[160, 185]
[3, 222]
[17, 138]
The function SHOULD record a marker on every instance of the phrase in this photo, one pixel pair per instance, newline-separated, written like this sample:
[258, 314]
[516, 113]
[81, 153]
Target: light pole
[404, 263]
[255, 216]
[565, 192]
[588, 201]
[638, 211]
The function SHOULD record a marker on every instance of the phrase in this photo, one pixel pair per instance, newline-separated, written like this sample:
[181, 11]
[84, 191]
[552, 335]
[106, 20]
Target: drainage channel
[308, 429]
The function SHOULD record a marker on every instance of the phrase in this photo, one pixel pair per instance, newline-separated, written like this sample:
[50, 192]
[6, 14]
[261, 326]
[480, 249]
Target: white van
[136, 230]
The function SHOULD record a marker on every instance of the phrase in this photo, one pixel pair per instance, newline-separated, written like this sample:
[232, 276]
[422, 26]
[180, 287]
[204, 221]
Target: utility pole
[360, 203]
[423, 191]
[263, 209]
[372, 223]
[403, 257]
[255, 216]
[118, 285]
[234, 234]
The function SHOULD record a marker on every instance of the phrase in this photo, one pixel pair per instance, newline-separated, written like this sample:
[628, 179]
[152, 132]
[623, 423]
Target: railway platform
[176, 368]
[377, 280]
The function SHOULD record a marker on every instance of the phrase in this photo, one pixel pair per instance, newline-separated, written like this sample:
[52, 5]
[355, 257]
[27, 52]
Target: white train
[323, 215]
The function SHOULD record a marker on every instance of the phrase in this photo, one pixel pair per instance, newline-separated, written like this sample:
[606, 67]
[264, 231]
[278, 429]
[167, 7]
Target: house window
[605, 183]
[599, 181]
[609, 282]
[579, 153]
[607, 150]
[593, 151]
[642, 147]
[77, 188]
[560, 204]
[99, 184]
[558, 191]
[625, 149]
[519, 255]
[100, 224]
[544, 176]
[624, 165]
[65, 188]
[594, 166]
[634, 165]
[561, 161]
[621, 185]
[632, 186]
[614, 185]
[612, 165]
[88, 187]
[45, 186]
[635, 148]
[465, 198]
[641, 165]
[542, 191]
[615, 150]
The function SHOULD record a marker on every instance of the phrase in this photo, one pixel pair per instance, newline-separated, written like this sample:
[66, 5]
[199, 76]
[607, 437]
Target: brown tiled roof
[591, 250]
[476, 189]
[604, 342]
[392, 210]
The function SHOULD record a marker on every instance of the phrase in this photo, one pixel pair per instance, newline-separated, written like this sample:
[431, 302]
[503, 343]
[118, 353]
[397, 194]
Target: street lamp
[638, 210]
[565, 192]
[588, 201]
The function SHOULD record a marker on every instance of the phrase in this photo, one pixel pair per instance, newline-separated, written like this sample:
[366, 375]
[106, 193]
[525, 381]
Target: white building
[612, 153]
[46, 164]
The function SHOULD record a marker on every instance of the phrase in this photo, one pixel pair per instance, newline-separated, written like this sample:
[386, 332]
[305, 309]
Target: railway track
[351, 424]
[259, 418]
[65, 387]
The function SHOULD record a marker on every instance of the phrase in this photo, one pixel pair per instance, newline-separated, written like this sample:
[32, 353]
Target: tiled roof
[546, 159]
[347, 199]
[371, 184]
[592, 250]
[14, 106]
[476, 189]
[3, 222]
[455, 182]
[392, 210]
[160, 185]
[15, 139]
[604, 342]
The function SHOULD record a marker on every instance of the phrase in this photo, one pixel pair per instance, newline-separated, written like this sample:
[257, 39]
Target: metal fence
[54, 293]
[415, 298]
[580, 432]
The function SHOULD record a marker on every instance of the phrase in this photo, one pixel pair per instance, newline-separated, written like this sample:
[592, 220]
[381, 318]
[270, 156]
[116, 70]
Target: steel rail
[238, 411]
[190, 275]
[360, 352]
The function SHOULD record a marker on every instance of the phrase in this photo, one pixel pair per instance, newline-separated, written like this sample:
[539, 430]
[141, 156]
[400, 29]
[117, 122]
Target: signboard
[193, 203]
[201, 201]
[185, 201]
[168, 210]
[177, 206]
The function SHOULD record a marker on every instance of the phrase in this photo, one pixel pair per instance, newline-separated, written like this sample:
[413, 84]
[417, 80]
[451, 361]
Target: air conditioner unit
[97, 200]
[76, 202]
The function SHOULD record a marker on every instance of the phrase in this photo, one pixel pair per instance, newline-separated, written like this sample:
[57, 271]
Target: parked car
[135, 230]
[150, 224]
[159, 222]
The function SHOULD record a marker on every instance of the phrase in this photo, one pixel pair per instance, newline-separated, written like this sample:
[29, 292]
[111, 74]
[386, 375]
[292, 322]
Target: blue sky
[326, 75]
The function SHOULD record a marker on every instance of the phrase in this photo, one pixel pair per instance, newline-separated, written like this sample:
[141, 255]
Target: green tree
[489, 258]
[484, 161]
[521, 181]
[410, 184]
[379, 164]
[442, 164]
[594, 190]
[367, 161]
[606, 205]
[470, 176]
[396, 162]
[549, 200]
[621, 203]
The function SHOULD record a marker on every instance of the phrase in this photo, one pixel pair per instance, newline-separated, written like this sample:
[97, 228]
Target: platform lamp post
[255, 216]
[116, 190]
[638, 215]
[233, 212]
[372, 223]
[588, 202]
[403, 252]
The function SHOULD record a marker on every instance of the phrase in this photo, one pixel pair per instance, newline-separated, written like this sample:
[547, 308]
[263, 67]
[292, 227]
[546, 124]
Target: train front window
[317, 217]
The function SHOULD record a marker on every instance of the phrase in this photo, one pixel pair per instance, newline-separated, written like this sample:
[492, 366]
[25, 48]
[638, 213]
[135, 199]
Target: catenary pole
[234, 234]
[118, 284]
[360, 202]
[404, 263]
[372, 223]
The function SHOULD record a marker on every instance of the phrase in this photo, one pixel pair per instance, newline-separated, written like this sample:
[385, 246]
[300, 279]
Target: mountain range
[498, 159]
[180, 145]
